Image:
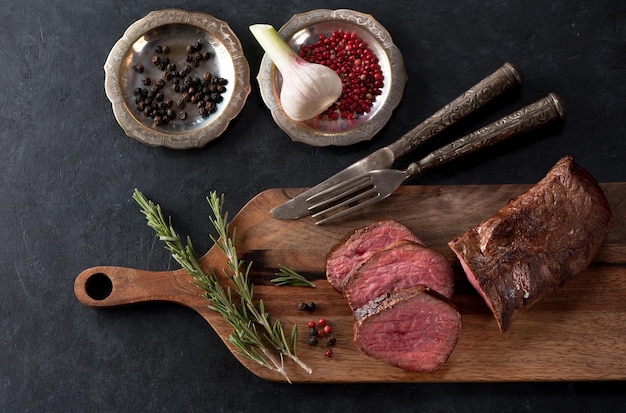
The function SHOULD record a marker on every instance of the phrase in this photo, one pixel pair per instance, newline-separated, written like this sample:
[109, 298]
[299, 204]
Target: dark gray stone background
[68, 172]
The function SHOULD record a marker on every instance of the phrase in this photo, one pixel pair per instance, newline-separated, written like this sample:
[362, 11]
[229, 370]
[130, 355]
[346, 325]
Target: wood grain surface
[576, 334]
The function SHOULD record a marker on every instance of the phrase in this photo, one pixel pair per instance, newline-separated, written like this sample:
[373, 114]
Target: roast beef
[415, 329]
[402, 265]
[536, 242]
[349, 254]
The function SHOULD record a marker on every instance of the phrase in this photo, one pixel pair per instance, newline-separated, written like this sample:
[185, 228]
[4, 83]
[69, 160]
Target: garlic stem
[308, 88]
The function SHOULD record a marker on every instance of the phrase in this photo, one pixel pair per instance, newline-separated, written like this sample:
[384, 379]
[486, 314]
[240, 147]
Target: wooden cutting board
[577, 333]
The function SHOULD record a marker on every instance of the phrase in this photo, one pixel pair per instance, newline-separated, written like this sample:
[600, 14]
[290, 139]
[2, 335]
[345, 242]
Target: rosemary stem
[244, 317]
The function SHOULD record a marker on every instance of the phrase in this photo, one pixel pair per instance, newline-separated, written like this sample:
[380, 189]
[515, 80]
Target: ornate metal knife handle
[496, 84]
[537, 114]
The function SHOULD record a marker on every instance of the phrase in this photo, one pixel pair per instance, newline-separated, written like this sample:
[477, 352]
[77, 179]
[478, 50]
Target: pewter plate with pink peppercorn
[362, 52]
[177, 79]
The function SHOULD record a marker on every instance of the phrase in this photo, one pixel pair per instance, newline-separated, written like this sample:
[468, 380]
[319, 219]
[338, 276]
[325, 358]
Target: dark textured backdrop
[68, 172]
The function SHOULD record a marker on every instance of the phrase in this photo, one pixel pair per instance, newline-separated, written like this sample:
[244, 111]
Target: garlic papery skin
[308, 88]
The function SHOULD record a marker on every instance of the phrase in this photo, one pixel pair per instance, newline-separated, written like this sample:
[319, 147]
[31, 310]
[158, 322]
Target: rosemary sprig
[287, 276]
[243, 317]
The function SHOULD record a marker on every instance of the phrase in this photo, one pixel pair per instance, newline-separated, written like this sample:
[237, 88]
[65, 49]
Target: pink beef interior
[417, 334]
[402, 266]
[362, 245]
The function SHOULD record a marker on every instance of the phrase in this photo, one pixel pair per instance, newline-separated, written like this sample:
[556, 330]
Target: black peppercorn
[306, 306]
[153, 102]
[313, 331]
[312, 341]
[331, 341]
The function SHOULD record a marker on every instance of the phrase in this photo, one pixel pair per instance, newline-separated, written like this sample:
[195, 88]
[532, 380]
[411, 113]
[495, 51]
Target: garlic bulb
[308, 88]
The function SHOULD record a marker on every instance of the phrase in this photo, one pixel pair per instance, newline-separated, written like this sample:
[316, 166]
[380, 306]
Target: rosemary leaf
[287, 276]
[294, 338]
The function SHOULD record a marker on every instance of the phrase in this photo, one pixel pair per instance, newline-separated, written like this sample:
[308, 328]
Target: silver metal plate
[305, 29]
[176, 29]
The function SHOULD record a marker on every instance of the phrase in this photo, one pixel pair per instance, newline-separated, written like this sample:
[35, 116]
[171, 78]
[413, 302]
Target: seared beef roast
[536, 242]
[349, 254]
[402, 265]
[415, 329]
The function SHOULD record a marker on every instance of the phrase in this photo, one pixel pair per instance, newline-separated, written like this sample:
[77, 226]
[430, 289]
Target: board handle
[108, 287]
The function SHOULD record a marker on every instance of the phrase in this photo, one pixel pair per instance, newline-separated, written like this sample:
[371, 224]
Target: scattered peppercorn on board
[577, 333]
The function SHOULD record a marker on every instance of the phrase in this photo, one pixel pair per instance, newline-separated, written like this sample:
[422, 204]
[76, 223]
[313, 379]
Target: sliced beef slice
[349, 254]
[415, 329]
[402, 265]
[536, 242]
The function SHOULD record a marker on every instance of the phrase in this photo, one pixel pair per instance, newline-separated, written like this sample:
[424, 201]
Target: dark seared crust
[386, 301]
[536, 242]
[357, 247]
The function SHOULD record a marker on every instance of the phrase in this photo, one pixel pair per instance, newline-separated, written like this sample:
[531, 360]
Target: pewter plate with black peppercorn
[305, 29]
[177, 79]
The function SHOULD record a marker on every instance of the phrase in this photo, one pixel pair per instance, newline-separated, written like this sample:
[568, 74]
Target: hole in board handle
[99, 286]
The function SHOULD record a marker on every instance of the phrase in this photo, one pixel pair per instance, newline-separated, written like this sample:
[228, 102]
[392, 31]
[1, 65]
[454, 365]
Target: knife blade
[504, 79]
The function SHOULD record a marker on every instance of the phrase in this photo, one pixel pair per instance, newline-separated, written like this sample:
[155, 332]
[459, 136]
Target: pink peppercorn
[356, 65]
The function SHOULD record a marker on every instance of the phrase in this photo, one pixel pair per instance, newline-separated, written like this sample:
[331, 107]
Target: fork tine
[348, 186]
[343, 201]
[350, 210]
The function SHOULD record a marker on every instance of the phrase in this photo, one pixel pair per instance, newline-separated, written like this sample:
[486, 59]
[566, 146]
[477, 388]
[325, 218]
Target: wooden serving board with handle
[576, 334]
